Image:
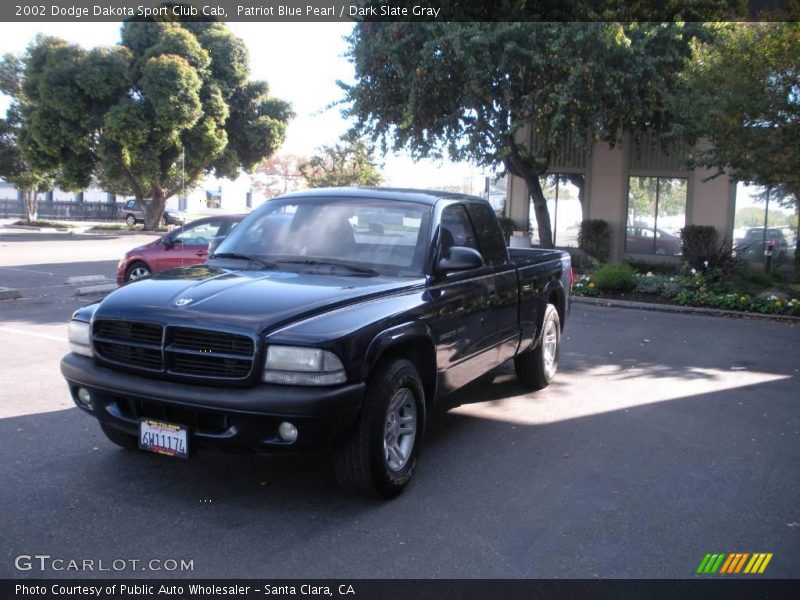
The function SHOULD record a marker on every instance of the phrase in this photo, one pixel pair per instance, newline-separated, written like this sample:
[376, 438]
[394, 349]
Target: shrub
[594, 238]
[703, 250]
[657, 268]
[507, 225]
[618, 277]
[659, 285]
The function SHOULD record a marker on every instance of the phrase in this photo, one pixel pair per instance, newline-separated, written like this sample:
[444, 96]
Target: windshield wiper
[333, 263]
[236, 255]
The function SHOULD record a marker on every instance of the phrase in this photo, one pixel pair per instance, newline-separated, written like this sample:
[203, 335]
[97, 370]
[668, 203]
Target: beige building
[644, 192]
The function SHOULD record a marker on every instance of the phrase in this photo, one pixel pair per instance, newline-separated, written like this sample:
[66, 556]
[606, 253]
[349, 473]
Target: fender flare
[394, 336]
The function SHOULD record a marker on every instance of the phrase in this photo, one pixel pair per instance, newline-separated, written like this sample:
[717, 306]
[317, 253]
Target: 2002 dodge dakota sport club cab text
[333, 317]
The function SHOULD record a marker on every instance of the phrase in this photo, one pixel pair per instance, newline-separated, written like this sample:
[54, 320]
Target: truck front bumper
[217, 418]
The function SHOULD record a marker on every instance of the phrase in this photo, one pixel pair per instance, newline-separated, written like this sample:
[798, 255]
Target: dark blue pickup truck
[332, 317]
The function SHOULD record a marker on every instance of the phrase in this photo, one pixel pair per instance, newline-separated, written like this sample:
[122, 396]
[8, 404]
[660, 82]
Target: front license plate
[164, 438]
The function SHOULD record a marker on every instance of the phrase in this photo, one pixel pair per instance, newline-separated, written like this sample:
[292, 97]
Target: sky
[301, 62]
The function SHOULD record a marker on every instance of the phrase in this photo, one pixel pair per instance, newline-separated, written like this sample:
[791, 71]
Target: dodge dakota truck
[332, 317]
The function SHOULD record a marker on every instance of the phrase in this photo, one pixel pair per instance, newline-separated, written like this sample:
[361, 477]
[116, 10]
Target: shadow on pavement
[640, 492]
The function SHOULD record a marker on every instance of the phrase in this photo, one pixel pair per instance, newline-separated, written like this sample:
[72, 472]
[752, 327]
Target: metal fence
[65, 211]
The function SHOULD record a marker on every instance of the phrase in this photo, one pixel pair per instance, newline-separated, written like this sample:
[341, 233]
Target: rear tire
[120, 438]
[536, 368]
[379, 458]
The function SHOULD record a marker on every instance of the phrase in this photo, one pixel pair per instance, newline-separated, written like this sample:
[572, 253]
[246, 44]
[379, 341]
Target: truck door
[503, 291]
[463, 328]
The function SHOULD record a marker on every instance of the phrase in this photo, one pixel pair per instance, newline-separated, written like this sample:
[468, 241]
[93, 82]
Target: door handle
[202, 253]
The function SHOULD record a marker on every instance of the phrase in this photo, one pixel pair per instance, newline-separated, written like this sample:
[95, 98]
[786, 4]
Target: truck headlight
[302, 366]
[80, 338]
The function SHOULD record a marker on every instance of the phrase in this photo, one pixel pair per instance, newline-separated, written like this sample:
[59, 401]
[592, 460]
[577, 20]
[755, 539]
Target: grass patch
[116, 227]
[54, 224]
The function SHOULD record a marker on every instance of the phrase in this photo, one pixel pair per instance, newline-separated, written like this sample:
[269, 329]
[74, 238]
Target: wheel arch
[411, 341]
[554, 294]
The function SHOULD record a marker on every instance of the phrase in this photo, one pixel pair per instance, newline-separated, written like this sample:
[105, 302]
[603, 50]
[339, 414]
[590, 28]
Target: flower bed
[692, 288]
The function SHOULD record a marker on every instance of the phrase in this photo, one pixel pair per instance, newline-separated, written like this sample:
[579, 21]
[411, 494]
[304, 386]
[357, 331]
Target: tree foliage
[745, 102]
[279, 174]
[511, 93]
[346, 163]
[125, 115]
[14, 167]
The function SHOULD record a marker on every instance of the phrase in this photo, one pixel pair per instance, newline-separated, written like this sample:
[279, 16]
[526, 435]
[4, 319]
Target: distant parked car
[185, 246]
[640, 240]
[751, 246]
[133, 214]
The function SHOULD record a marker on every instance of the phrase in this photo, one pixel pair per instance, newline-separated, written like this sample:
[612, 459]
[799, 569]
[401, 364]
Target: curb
[122, 232]
[9, 293]
[42, 229]
[81, 279]
[96, 289]
[692, 310]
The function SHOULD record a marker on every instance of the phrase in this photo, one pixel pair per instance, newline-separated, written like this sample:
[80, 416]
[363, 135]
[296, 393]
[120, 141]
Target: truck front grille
[182, 351]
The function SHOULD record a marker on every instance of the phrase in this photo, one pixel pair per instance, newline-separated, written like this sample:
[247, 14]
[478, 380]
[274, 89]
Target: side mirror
[168, 241]
[214, 243]
[460, 258]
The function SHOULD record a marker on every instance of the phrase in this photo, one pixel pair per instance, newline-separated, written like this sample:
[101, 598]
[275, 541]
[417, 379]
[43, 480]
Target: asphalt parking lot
[664, 437]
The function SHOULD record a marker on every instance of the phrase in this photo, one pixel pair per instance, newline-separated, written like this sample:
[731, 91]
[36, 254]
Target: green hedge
[594, 238]
[618, 277]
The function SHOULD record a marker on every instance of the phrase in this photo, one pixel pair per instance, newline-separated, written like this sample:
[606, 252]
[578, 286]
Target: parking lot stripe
[28, 270]
[33, 333]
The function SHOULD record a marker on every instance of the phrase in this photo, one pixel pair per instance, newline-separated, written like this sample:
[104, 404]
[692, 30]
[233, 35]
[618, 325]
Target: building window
[763, 216]
[656, 214]
[563, 194]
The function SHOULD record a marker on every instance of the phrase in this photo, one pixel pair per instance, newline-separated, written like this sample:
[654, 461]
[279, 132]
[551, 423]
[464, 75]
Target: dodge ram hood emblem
[183, 301]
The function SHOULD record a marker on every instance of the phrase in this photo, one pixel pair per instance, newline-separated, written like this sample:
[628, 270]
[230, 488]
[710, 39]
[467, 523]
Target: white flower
[649, 274]
[773, 297]
[694, 271]
[705, 264]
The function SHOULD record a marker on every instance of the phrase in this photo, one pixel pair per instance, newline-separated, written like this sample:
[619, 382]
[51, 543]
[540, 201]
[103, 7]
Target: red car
[187, 245]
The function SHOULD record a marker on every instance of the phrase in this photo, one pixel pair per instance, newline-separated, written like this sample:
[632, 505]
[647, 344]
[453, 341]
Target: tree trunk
[579, 181]
[153, 210]
[30, 199]
[516, 166]
[543, 224]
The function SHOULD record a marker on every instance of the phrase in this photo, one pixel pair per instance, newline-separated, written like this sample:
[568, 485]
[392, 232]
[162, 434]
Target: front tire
[536, 368]
[136, 271]
[130, 220]
[120, 438]
[380, 456]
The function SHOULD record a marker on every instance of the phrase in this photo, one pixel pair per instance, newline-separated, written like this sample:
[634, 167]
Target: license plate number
[169, 439]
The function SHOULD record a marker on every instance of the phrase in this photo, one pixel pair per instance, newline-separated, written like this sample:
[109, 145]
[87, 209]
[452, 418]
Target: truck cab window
[456, 228]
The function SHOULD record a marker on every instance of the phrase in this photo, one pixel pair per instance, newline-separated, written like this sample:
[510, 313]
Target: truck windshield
[385, 236]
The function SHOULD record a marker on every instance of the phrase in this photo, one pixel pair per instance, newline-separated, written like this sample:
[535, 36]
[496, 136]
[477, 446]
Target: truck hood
[246, 300]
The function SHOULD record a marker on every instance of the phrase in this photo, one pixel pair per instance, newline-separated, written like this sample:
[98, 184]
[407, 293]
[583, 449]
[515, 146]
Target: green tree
[126, 115]
[349, 162]
[745, 101]
[14, 168]
[510, 94]
[749, 216]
